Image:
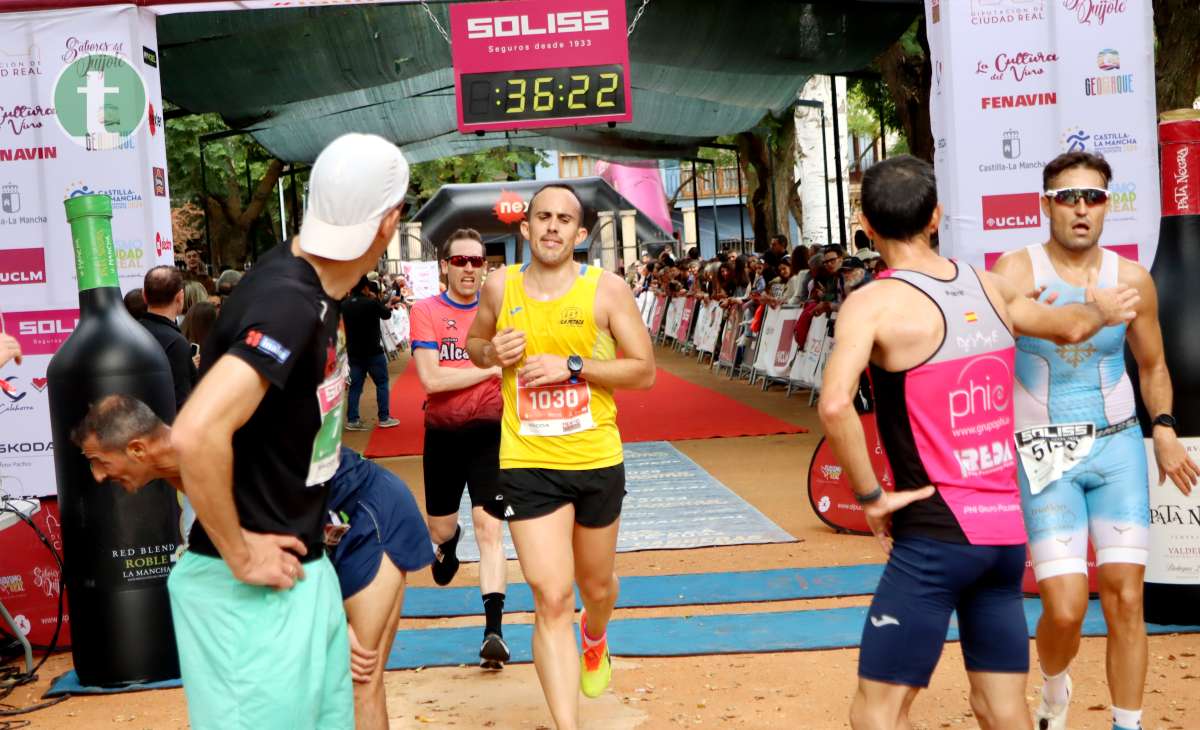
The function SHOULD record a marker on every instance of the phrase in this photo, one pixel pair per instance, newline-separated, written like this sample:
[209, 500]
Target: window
[572, 166]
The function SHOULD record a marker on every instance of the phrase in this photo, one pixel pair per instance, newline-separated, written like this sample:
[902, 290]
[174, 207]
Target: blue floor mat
[641, 591]
[757, 633]
[672, 504]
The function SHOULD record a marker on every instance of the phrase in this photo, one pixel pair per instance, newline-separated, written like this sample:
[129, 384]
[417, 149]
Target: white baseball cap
[866, 254]
[356, 180]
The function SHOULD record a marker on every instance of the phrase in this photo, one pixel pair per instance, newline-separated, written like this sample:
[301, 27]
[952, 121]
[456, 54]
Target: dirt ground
[754, 691]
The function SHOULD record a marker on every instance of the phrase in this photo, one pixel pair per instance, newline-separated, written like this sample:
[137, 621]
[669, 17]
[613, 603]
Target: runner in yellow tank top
[555, 327]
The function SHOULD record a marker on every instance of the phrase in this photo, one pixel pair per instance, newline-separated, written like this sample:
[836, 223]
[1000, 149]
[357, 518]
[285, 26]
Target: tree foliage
[1177, 60]
[236, 187]
[494, 165]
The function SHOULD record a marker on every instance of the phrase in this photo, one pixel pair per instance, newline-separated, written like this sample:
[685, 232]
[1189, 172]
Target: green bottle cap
[83, 205]
[90, 217]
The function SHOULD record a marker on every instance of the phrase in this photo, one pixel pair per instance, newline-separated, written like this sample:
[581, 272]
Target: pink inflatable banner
[641, 185]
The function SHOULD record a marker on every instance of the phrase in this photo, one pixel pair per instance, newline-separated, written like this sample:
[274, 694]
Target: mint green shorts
[256, 658]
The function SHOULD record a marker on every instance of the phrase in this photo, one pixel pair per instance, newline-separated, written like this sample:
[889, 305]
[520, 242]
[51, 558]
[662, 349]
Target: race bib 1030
[554, 410]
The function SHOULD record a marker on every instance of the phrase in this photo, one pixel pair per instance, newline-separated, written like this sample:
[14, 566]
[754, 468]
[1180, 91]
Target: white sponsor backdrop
[41, 164]
[1015, 83]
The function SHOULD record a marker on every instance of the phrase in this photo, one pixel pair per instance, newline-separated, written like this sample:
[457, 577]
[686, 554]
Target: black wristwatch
[1165, 419]
[575, 365]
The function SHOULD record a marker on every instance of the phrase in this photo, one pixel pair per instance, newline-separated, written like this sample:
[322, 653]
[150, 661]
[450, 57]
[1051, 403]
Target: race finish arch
[497, 209]
[386, 68]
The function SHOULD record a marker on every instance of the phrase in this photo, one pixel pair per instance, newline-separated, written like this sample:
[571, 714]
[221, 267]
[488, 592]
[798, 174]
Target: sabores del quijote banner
[80, 113]
[1017, 82]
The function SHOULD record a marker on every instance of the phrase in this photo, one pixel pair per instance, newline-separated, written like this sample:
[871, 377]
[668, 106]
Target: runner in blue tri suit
[1083, 462]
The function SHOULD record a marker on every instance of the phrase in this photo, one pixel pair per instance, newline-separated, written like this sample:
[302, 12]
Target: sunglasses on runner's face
[461, 261]
[1071, 196]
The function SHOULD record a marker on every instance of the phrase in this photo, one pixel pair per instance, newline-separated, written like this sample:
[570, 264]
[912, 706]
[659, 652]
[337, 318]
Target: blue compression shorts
[924, 582]
[1105, 494]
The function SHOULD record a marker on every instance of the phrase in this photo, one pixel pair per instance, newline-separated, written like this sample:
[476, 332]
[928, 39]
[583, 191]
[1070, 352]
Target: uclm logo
[1018, 210]
[510, 208]
[23, 266]
[516, 26]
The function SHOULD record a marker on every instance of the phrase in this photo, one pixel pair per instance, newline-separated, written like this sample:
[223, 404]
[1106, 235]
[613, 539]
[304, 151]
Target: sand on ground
[810, 689]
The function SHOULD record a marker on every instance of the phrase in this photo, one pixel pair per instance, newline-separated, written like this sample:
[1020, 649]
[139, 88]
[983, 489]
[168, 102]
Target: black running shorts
[467, 457]
[596, 493]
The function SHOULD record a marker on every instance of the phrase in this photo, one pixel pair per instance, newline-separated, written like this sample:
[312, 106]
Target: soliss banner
[1016, 83]
[80, 113]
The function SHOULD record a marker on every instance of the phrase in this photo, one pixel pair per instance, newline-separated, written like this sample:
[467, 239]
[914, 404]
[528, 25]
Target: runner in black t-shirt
[262, 639]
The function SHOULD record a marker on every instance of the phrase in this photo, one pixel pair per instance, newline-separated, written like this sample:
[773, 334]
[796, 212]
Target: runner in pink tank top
[937, 336]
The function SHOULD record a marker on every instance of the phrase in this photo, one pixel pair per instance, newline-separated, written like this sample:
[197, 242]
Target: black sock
[493, 610]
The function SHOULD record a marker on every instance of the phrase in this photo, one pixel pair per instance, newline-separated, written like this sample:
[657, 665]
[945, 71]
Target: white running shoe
[1052, 718]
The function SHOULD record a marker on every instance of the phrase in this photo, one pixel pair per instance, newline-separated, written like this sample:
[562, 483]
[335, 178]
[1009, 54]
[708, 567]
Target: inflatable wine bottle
[117, 547]
[1173, 570]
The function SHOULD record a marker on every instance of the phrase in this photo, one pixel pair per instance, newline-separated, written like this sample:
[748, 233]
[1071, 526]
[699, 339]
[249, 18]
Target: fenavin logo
[100, 101]
[516, 26]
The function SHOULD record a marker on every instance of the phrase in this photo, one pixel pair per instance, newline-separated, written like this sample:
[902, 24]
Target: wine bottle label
[1174, 525]
[95, 254]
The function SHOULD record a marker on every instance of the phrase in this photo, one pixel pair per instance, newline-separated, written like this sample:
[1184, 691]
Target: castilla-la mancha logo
[510, 208]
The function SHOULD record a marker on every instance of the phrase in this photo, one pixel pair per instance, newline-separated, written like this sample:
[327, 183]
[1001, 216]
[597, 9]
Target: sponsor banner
[829, 490]
[778, 346]
[1018, 82]
[685, 319]
[708, 326]
[660, 311]
[423, 278]
[22, 266]
[1174, 525]
[29, 579]
[40, 332]
[1181, 167]
[26, 445]
[730, 336]
[808, 367]
[80, 113]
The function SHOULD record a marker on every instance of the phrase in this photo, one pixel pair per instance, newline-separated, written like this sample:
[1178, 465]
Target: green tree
[769, 165]
[495, 165]
[907, 73]
[868, 98]
[1177, 59]
[240, 207]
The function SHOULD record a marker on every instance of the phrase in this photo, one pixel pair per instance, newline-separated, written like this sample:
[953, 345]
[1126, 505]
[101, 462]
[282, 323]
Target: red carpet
[674, 409]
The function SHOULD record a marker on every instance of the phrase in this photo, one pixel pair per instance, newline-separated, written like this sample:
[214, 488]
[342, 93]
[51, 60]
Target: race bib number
[554, 410]
[1048, 452]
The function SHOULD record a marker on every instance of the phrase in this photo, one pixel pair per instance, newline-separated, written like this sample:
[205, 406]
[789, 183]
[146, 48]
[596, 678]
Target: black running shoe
[494, 652]
[445, 559]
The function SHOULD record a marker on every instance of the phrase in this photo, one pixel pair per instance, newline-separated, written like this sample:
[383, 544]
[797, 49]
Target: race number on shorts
[554, 410]
[1047, 452]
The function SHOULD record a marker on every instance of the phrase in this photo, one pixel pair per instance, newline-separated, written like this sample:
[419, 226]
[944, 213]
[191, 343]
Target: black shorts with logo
[467, 457]
[596, 493]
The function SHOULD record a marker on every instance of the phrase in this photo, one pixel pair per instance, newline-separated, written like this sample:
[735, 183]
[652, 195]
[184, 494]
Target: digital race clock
[547, 93]
[540, 63]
